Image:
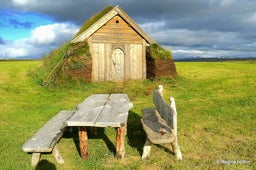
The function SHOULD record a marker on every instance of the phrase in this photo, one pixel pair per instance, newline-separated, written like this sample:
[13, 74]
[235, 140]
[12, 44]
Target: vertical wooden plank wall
[108, 63]
[95, 56]
[117, 34]
[136, 61]
[101, 62]
[144, 66]
[102, 66]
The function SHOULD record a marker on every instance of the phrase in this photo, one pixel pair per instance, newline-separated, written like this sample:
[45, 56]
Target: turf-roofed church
[110, 46]
[118, 46]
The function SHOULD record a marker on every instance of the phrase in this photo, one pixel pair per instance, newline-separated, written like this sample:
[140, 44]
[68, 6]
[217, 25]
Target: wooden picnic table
[102, 110]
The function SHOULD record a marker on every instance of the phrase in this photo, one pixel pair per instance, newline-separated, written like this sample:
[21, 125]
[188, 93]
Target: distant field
[216, 104]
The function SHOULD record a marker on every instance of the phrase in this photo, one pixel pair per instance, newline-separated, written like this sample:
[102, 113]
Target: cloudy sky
[206, 28]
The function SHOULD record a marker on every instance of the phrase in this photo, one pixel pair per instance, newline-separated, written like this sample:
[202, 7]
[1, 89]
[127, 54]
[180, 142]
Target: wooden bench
[160, 124]
[46, 139]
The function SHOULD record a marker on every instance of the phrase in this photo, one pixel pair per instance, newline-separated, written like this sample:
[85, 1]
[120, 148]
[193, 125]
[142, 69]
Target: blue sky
[205, 28]
[17, 24]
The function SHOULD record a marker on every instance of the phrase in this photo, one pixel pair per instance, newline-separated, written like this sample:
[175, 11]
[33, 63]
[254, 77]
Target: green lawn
[216, 104]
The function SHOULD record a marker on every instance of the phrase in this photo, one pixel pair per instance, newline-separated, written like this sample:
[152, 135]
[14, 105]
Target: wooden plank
[47, 136]
[156, 128]
[115, 111]
[84, 117]
[118, 36]
[88, 110]
[101, 62]
[127, 70]
[101, 110]
[164, 109]
[108, 50]
[117, 31]
[94, 100]
[115, 40]
[95, 57]
[133, 64]
[136, 61]
[139, 60]
[144, 67]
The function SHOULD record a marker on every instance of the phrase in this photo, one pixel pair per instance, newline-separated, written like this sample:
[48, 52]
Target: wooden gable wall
[117, 34]
[116, 30]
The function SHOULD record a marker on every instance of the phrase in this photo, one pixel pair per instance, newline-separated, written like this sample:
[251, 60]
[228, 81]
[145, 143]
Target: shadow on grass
[44, 164]
[136, 135]
[168, 149]
[93, 133]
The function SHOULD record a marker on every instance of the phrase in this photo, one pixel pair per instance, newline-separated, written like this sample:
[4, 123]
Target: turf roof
[157, 52]
[94, 19]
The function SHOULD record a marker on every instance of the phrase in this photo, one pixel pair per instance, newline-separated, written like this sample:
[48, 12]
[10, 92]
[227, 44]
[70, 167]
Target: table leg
[83, 138]
[120, 138]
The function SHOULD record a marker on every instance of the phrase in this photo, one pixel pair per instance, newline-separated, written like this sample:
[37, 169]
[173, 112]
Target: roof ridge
[105, 18]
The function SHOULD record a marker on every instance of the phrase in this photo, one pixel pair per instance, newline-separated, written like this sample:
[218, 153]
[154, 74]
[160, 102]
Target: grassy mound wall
[159, 62]
[71, 61]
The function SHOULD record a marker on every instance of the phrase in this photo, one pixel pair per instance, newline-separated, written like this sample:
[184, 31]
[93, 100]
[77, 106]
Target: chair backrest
[165, 110]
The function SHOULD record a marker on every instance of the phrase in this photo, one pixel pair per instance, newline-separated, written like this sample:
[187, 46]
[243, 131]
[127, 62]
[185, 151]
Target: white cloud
[208, 28]
[41, 41]
[23, 2]
[225, 3]
[222, 3]
[195, 52]
[54, 33]
[152, 26]
[13, 52]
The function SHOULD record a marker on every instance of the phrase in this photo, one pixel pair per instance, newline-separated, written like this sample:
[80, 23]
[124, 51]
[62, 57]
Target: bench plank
[156, 128]
[46, 138]
[164, 109]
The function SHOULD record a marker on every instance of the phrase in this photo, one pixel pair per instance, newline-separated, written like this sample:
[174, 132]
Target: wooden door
[117, 65]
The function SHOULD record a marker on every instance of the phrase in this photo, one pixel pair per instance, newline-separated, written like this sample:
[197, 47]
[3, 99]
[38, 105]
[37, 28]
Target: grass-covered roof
[93, 19]
[157, 52]
[54, 68]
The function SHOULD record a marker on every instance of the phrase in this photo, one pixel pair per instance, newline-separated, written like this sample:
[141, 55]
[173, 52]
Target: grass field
[216, 104]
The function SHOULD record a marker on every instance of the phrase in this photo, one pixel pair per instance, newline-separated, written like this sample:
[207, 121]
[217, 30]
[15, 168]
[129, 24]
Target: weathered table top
[102, 110]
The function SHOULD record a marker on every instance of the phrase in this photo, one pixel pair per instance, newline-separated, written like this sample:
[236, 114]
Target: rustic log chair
[47, 137]
[160, 124]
